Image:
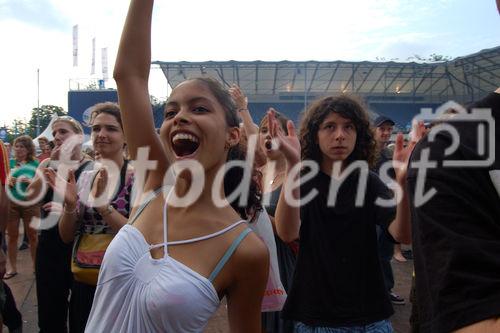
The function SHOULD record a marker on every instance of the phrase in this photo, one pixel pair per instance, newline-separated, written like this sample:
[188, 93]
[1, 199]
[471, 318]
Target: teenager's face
[107, 135]
[383, 133]
[265, 141]
[195, 126]
[336, 138]
[61, 131]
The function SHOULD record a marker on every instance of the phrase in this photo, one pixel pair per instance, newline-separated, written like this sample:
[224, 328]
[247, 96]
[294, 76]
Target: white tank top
[139, 294]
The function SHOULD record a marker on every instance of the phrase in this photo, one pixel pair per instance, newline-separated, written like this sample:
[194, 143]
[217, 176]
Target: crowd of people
[143, 234]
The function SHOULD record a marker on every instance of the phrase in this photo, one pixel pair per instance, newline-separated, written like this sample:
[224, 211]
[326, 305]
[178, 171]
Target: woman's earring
[227, 146]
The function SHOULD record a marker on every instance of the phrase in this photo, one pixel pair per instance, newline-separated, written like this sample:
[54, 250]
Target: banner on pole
[75, 45]
[92, 70]
[104, 62]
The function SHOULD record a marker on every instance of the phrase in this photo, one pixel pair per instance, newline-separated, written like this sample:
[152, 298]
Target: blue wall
[402, 113]
[79, 101]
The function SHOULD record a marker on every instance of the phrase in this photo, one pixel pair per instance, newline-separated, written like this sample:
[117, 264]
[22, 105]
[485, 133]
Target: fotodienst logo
[448, 120]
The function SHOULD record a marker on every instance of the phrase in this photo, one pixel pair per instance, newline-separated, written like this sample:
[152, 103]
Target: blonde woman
[53, 271]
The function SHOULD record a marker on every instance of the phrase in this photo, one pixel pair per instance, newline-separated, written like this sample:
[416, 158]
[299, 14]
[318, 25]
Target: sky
[37, 34]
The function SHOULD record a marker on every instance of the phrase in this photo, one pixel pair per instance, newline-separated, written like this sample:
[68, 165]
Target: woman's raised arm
[131, 74]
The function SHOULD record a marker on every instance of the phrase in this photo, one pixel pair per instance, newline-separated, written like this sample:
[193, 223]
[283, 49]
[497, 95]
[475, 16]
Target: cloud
[26, 49]
[39, 36]
[39, 13]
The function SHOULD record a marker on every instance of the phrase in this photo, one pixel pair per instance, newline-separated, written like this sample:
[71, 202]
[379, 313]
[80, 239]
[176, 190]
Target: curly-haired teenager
[338, 284]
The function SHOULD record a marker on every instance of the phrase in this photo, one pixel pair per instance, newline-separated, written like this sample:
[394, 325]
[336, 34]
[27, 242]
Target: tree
[44, 114]
[432, 58]
[158, 106]
[18, 127]
[438, 57]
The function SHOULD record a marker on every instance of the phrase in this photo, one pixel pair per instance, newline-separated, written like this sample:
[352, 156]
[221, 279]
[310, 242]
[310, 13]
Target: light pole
[38, 102]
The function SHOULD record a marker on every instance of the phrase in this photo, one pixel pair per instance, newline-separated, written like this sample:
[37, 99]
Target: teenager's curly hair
[347, 106]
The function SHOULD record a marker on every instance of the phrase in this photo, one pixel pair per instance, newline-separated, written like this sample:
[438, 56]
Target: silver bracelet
[70, 212]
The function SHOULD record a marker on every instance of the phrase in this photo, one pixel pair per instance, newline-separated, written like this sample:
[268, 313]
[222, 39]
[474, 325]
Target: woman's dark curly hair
[234, 176]
[347, 106]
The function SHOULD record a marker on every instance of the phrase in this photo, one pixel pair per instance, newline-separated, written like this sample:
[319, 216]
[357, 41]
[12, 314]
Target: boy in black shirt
[338, 283]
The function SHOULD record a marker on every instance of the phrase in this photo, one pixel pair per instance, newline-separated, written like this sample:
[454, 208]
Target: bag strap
[81, 168]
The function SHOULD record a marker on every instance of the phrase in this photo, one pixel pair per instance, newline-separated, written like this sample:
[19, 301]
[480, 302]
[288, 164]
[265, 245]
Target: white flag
[75, 45]
[104, 62]
[92, 70]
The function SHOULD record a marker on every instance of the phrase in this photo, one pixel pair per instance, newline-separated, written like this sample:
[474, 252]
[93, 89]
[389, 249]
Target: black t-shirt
[338, 280]
[385, 155]
[456, 234]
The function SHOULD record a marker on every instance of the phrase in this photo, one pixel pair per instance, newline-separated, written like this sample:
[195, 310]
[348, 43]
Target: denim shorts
[383, 326]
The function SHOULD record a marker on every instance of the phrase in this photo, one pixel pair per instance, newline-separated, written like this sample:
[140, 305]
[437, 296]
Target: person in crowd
[383, 131]
[273, 176]
[338, 283]
[4, 202]
[9, 314]
[200, 252]
[52, 266]
[89, 153]
[45, 147]
[23, 167]
[272, 167]
[8, 148]
[456, 231]
[247, 125]
[79, 217]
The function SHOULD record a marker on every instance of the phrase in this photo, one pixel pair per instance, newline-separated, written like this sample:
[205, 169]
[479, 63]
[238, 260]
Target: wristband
[108, 210]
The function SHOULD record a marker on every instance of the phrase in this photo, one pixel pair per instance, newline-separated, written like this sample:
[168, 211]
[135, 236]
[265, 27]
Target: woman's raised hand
[100, 183]
[402, 154]
[289, 144]
[63, 188]
[239, 97]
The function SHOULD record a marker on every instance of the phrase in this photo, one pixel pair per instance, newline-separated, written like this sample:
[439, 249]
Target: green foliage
[92, 86]
[438, 57]
[44, 113]
[432, 58]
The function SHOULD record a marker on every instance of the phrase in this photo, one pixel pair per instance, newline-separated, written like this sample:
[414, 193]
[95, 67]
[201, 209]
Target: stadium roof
[462, 79]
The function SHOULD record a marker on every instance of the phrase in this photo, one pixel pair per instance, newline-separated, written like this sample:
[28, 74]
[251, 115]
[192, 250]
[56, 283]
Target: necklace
[275, 177]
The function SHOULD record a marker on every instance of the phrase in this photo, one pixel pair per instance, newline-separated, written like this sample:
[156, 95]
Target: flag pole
[38, 102]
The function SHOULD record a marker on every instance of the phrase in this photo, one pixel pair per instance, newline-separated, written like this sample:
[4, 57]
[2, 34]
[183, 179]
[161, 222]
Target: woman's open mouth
[268, 144]
[185, 144]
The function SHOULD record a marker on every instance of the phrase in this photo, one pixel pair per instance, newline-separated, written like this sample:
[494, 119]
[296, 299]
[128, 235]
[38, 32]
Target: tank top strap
[144, 205]
[215, 234]
[227, 255]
